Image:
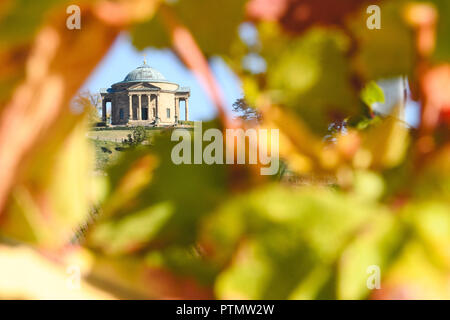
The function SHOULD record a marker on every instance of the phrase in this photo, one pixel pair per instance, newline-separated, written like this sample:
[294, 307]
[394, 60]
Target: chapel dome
[144, 73]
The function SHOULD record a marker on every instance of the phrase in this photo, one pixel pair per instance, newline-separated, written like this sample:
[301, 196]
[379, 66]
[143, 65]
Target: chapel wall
[167, 101]
[165, 86]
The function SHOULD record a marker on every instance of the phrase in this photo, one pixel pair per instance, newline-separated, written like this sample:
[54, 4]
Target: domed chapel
[145, 97]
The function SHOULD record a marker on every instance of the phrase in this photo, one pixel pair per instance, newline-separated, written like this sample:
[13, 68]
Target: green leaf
[431, 221]
[185, 262]
[23, 18]
[387, 52]
[413, 276]
[387, 141]
[187, 192]
[378, 245]
[55, 199]
[310, 75]
[442, 51]
[213, 24]
[132, 231]
[291, 243]
[372, 93]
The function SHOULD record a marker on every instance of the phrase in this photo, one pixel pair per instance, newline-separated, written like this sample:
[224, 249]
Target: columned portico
[149, 107]
[104, 110]
[139, 112]
[157, 117]
[177, 108]
[130, 107]
[145, 97]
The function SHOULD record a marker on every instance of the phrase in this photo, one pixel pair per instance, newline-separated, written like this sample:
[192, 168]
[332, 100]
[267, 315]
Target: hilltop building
[145, 97]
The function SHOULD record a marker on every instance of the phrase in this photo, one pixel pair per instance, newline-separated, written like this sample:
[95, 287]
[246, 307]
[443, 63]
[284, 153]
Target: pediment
[143, 86]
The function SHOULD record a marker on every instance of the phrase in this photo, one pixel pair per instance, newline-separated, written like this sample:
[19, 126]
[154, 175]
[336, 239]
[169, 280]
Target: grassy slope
[109, 135]
[105, 144]
[105, 152]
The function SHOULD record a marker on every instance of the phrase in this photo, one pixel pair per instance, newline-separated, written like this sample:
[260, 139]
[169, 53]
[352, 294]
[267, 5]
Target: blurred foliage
[311, 69]
[372, 93]
[215, 33]
[387, 52]
[372, 190]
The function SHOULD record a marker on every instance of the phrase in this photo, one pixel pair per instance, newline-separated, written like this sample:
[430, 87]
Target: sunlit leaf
[372, 93]
[387, 141]
[299, 75]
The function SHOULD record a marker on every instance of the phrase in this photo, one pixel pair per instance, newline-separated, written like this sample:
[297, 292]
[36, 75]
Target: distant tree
[95, 98]
[138, 136]
[87, 101]
[246, 112]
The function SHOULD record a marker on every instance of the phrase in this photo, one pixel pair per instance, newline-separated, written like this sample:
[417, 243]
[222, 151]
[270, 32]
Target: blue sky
[123, 57]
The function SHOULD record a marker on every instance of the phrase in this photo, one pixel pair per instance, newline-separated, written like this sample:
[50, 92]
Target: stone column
[130, 108]
[113, 112]
[177, 110]
[104, 110]
[139, 108]
[186, 109]
[149, 107]
[157, 109]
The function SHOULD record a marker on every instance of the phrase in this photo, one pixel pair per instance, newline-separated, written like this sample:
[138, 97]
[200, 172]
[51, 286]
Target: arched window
[121, 116]
[168, 113]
